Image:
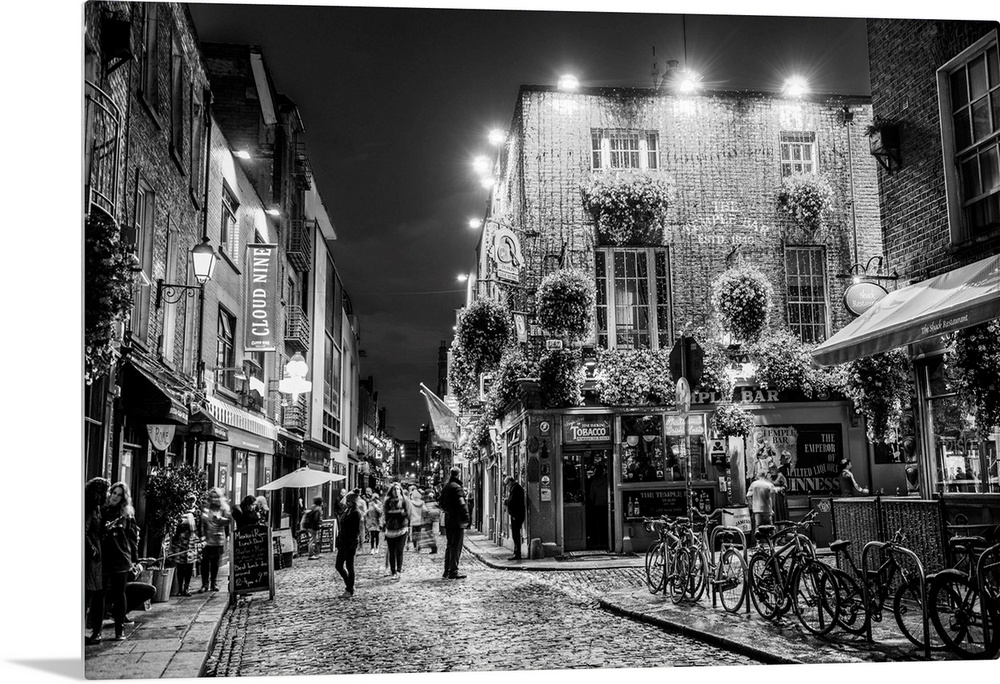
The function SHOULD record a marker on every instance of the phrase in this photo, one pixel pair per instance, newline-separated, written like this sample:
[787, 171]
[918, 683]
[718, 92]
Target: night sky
[397, 102]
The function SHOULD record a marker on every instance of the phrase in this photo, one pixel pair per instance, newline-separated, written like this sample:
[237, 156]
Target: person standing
[373, 524]
[119, 552]
[95, 494]
[453, 503]
[215, 520]
[515, 509]
[780, 483]
[417, 536]
[347, 542]
[760, 494]
[312, 521]
[431, 516]
[848, 485]
[396, 513]
[184, 546]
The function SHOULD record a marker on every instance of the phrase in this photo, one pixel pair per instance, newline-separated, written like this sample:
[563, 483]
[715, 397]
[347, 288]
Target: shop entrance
[587, 500]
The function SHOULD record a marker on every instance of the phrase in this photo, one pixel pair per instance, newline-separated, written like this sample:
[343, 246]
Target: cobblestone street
[492, 620]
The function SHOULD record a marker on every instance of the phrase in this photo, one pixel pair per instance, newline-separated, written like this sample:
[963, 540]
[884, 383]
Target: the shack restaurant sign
[586, 429]
[261, 330]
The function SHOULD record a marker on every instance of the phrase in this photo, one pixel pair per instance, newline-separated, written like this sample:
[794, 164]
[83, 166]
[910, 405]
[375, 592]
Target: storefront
[245, 460]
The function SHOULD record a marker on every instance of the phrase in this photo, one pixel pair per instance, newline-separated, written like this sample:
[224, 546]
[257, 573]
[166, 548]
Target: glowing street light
[568, 82]
[689, 82]
[481, 164]
[488, 182]
[497, 136]
[475, 223]
[462, 277]
[796, 86]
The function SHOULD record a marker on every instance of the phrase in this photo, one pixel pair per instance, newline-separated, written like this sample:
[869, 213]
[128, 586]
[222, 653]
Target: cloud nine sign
[260, 331]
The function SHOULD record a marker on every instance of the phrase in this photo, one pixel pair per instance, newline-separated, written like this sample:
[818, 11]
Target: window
[167, 346]
[148, 59]
[228, 235]
[805, 280]
[142, 228]
[621, 149]
[633, 298]
[331, 393]
[178, 84]
[969, 98]
[798, 152]
[225, 354]
[197, 160]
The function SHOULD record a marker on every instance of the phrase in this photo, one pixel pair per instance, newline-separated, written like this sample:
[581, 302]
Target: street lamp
[497, 136]
[203, 259]
[796, 86]
[295, 382]
[568, 82]
[475, 223]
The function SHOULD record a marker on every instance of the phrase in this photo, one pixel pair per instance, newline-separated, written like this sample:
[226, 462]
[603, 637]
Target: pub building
[593, 473]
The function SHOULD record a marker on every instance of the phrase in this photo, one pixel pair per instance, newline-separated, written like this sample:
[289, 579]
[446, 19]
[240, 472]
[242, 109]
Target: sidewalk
[747, 633]
[172, 639]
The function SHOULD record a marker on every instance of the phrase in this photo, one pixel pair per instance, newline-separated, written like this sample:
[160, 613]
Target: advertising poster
[810, 455]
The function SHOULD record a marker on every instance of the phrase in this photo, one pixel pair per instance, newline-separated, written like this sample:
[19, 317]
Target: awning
[145, 397]
[202, 425]
[967, 296]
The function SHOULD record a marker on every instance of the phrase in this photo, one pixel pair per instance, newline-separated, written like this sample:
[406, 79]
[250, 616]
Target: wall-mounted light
[462, 277]
[203, 258]
[497, 136]
[488, 182]
[689, 82]
[273, 211]
[796, 86]
[568, 82]
[481, 164]
[475, 224]
[242, 154]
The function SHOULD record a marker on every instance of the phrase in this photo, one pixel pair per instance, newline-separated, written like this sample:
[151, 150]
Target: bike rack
[923, 591]
[984, 596]
[746, 562]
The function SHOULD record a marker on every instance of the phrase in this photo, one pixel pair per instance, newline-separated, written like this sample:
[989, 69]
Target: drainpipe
[199, 361]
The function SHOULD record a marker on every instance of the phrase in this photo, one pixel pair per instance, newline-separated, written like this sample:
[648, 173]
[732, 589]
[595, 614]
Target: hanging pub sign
[260, 332]
[505, 250]
[160, 436]
[586, 429]
[860, 297]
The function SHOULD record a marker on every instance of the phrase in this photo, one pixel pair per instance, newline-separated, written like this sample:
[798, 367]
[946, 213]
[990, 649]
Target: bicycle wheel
[654, 567]
[677, 577]
[814, 597]
[908, 614]
[731, 582]
[766, 589]
[957, 612]
[851, 598]
[698, 575]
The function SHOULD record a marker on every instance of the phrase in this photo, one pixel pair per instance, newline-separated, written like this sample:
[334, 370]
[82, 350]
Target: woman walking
[373, 523]
[215, 519]
[95, 493]
[184, 547]
[417, 519]
[119, 552]
[397, 518]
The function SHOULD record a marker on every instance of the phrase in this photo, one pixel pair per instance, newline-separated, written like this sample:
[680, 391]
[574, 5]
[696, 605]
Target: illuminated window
[633, 298]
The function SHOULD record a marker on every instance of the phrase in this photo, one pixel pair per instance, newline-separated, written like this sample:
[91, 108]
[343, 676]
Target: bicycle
[728, 577]
[660, 556]
[855, 614]
[790, 578]
[965, 604]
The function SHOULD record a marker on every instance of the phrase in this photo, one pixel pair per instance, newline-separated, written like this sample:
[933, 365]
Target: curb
[471, 547]
[211, 642]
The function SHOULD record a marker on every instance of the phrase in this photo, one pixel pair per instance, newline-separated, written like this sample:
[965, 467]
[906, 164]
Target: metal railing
[296, 329]
[102, 139]
[299, 244]
[293, 416]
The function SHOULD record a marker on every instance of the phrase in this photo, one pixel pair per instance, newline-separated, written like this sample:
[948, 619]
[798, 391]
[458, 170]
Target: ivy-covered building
[613, 213]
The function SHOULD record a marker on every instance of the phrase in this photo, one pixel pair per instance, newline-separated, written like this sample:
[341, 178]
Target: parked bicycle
[789, 577]
[964, 601]
[727, 577]
[660, 554]
[855, 614]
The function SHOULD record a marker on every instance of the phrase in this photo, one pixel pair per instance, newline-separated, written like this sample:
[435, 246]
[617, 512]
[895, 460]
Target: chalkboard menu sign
[669, 502]
[252, 564]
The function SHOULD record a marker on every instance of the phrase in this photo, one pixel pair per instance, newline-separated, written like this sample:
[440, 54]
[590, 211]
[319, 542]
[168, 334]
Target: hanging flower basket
[565, 303]
[805, 197]
[633, 377]
[560, 379]
[628, 207]
[729, 420]
[879, 387]
[109, 276]
[485, 330]
[462, 380]
[975, 372]
[743, 299]
[783, 362]
[513, 365]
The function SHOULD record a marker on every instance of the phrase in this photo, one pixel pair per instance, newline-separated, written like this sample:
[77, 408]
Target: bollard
[535, 548]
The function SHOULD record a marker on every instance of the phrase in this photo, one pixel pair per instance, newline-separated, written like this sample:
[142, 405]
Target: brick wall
[722, 153]
[904, 56]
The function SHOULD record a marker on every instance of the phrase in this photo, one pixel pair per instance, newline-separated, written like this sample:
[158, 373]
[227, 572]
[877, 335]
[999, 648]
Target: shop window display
[643, 454]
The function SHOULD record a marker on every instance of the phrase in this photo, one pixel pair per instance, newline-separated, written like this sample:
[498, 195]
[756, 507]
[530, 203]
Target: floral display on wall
[806, 198]
[975, 372]
[879, 386]
[485, 329]
[743, 300]
[462, 380]
[628, 208]
[565, 303]
[560, 379]
[633, 377]
[783, 362]
[513, 365]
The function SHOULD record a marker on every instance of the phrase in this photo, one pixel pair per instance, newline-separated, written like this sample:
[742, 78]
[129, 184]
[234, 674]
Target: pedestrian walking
[245, 514]
[216, 518]
[453, 503]
[184, 544]
[373, 524]
[417, 536]
[848, 485]
[760, 494]
[312, 522]
[362, 506]
[396, 514]
[119, 552]
[347, 542]
[95, 494]
[432, 514]
[515, 509]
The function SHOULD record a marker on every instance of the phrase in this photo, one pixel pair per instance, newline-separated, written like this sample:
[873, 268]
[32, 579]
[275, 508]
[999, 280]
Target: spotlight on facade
[481, 164]
[488, 182]
[497, 136]
[568, 82]
[462, 277]
[475, 223]
[272, 211]
[242, 154]
[796, 86]
[689, 82]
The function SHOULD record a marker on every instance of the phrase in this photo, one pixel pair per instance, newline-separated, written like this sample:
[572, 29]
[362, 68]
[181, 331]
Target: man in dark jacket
[347, 543]
[452, 502]
[515, 509]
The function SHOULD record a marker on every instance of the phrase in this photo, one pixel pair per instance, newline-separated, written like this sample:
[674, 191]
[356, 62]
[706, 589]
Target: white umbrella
[303, 477]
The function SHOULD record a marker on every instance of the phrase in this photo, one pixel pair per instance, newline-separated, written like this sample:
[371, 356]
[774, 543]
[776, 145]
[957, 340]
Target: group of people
[398, 516]
[766, 494]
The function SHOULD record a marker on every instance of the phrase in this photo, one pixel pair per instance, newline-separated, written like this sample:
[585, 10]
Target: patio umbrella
[303, 477]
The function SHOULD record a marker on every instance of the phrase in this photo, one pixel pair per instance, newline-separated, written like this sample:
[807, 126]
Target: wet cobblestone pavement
[492, 620]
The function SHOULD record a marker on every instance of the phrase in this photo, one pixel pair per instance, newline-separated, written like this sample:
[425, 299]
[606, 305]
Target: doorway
[587, 500]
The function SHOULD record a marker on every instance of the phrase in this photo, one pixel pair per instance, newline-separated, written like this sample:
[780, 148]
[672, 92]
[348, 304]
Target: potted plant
[628, 207]
[879, 387]
[974, 363]
[565, 303]
[882, 135]
[743, 299]
[165, 491]
[806, 198]
[485, 330]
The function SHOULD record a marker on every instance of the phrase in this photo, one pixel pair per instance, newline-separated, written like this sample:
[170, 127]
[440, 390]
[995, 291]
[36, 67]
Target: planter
[163, 581]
